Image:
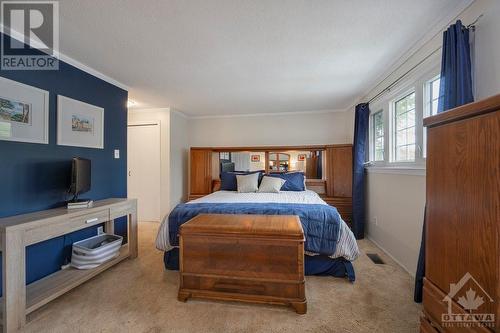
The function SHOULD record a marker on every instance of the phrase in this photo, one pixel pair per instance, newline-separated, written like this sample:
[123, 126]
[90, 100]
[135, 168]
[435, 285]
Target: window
[404, 128]
[433, 96]
[225, 156]
[431, 105]
[378, 136]
[396, 132]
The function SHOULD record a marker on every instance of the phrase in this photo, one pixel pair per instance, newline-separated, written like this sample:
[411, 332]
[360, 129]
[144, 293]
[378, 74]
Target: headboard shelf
[271, 148]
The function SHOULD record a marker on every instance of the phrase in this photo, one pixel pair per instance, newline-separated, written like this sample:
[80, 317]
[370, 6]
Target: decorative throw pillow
[295, 181]
[228, 179]
[248, 183]
[271, 184]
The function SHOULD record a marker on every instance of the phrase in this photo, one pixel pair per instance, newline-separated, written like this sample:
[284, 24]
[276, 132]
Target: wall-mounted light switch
[117, 153]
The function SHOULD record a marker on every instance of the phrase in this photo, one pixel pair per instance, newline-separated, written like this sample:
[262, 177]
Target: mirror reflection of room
[309, 162]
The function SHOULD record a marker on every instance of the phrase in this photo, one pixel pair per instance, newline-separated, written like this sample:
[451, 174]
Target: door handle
[95, 219]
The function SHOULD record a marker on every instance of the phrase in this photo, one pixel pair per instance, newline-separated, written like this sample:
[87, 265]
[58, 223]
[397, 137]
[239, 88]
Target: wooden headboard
[335, 187]
[337, 176]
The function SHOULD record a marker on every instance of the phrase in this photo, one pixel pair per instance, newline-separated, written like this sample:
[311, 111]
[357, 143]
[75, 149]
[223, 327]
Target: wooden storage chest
[250, 258]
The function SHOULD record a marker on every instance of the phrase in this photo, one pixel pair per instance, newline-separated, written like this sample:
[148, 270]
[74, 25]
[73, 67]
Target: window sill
[397, 170]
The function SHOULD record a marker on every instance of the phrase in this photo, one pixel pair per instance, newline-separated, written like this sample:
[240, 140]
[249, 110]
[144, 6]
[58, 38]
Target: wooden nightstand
[343, 205]
[195, 196]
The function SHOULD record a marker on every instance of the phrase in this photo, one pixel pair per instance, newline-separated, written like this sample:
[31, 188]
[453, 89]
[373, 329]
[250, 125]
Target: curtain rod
[473, 24]
[389, 87]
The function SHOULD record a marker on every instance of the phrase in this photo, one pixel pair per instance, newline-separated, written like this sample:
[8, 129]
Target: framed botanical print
[24, 112]
[79, 124]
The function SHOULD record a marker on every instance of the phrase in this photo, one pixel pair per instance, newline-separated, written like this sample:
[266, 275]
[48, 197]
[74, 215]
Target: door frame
[148, 123]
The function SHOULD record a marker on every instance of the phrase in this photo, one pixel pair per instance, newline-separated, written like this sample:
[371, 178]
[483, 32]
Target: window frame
[374, 137]
[428, 97]
[393, 135]
[418, 83]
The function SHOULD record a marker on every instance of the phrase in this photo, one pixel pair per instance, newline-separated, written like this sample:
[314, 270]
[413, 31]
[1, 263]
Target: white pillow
[271, 184]
[248, 183]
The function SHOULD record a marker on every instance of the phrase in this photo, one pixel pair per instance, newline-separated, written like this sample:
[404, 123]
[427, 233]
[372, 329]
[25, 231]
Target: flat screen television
[80, 177]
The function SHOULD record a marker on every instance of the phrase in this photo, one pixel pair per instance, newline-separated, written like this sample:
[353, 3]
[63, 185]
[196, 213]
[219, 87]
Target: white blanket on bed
[346, 244]
[292, 197]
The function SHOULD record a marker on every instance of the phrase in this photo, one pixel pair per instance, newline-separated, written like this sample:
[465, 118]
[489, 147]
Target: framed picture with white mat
[79, 124]
[24, 112]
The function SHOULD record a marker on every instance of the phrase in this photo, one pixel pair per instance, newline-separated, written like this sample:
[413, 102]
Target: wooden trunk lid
[272, 226]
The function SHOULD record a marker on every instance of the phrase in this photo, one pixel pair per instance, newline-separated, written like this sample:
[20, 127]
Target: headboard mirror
[328, 168]
[311, 162]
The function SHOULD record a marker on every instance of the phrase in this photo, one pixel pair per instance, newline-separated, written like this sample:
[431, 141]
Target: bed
[327, 235]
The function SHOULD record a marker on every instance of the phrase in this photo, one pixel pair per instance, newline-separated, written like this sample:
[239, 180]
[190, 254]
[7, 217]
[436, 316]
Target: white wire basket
[94, 251]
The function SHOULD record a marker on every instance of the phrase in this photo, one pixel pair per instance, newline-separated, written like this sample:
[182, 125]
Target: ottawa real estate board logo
[473, 298]
[30, 35]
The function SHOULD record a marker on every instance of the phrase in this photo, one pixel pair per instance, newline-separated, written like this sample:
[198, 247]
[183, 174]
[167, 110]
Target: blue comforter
[321, 223]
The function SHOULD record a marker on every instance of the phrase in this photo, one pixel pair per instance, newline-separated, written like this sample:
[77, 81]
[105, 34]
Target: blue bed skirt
[314, 265]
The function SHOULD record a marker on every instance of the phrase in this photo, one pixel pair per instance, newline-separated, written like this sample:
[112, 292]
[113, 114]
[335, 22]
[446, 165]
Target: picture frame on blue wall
[24, 112]
[79, 124]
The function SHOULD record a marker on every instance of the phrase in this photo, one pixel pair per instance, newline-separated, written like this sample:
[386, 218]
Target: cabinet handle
[95, 219]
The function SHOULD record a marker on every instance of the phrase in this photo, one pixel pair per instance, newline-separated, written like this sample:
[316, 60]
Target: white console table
[18, 232]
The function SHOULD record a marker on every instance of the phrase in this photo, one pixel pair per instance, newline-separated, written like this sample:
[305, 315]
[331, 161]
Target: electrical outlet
[375, 220]
[100, 230]
[117, 153]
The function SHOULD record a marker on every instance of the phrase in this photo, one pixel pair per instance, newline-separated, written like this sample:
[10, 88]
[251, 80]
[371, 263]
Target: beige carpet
[140, 296]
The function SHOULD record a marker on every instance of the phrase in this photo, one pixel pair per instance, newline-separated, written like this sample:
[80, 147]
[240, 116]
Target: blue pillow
[228, 179]
[294, 181]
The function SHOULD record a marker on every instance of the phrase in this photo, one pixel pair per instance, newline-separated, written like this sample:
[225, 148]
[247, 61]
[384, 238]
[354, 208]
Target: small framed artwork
[24, 112]
[255, 158]
[301, 157]
[79, 124]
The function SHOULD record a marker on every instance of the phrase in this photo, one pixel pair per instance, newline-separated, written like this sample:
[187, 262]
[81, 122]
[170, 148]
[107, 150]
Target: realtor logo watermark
[472, 297]
[33, 27]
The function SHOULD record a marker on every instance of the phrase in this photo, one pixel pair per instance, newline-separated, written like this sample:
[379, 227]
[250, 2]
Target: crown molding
[91, 71]
[71, 61]
[245, 115]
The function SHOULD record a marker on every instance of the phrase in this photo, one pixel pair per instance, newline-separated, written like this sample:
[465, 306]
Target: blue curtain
[455, 89]
[456, 71]
[419, 276]
[358, 159]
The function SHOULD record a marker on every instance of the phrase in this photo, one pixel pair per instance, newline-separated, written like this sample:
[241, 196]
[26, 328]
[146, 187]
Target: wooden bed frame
[335, 187]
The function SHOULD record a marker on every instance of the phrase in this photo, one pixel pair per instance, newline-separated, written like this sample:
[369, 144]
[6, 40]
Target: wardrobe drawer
[64, 225]
[426, 327]
[435, 307]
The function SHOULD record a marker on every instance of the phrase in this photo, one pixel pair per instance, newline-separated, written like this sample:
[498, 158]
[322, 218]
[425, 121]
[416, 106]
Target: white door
[143, 159]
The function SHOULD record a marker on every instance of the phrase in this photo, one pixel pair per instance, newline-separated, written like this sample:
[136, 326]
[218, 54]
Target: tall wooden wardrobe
[463, 219]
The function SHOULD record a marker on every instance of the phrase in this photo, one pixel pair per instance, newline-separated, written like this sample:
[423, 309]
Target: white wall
[179, 156]
[397, 201]
[278, 129]
[395, 213]
[488, 53]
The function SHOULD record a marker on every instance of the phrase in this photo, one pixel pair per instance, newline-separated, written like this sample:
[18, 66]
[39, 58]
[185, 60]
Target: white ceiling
[207, 57]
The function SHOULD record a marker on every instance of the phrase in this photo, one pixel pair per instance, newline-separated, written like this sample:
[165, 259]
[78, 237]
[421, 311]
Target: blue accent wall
[36, 176]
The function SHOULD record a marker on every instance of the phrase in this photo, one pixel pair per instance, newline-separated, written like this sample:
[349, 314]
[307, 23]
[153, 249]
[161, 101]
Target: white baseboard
[412, 274]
